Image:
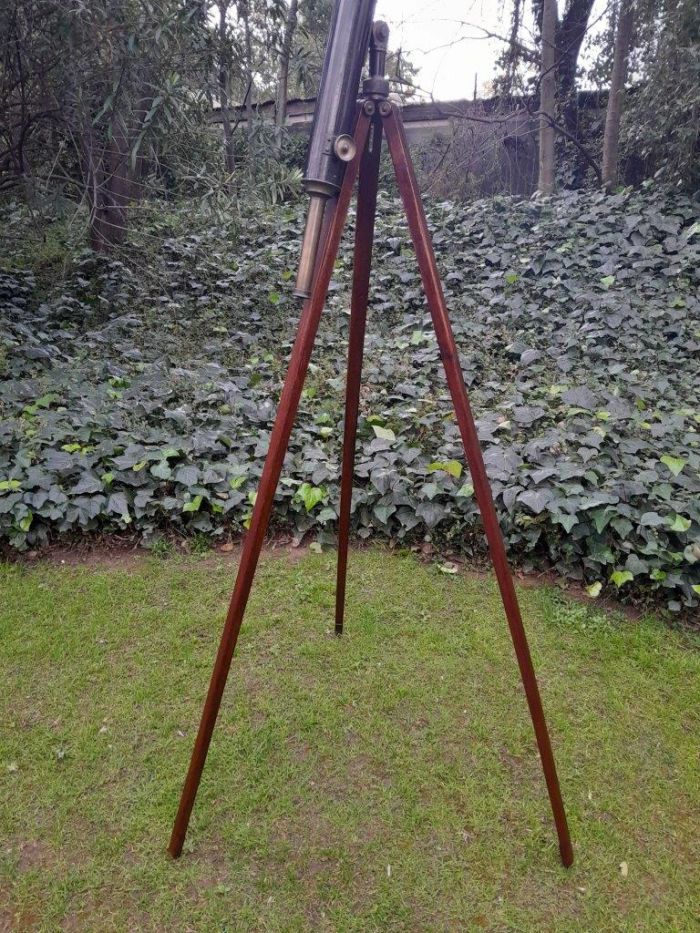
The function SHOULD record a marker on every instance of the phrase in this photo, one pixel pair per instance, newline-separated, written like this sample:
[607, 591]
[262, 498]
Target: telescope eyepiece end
[309, 246]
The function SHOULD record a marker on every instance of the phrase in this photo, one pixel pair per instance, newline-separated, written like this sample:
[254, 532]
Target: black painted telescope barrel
[331, 146]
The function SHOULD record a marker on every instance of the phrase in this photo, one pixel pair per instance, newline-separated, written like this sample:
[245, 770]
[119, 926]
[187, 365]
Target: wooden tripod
[375, 118]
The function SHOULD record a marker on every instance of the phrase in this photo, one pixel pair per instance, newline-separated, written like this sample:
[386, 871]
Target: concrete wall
[466, 147]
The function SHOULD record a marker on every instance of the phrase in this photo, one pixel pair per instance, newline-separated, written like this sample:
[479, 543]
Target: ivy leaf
[117, 504]
[535, 499]
[675, 464]
[620, 577]
[449, 568]
[161, 470]
[565, 520]
[594, 590]
[311, 495]
[10, 485]
[386, 434]
[679, 523]
[187, 475]
[88, 483]
[453, 467]
[431, 512]
[193, 505]
[466, 491]
[602, 517]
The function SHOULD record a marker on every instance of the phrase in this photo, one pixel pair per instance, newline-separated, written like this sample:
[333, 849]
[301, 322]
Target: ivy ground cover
[385, 781]
[138, 393]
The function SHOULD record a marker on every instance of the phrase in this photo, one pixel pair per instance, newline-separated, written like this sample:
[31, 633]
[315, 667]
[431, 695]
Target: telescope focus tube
[330, 147]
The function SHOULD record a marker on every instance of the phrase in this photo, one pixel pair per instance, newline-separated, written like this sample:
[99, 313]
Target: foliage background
[138, 393]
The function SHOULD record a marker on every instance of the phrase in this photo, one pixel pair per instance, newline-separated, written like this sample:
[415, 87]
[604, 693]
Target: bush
[142, 397]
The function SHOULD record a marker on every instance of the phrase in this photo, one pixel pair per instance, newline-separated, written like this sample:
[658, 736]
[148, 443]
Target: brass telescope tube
[331, 146]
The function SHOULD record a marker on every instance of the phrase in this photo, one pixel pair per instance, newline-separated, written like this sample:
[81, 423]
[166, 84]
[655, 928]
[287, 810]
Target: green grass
[405, 744]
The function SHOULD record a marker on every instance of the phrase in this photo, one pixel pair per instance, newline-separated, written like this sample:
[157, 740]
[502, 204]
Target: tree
[123, 86]
[290, 26]
[100, 82]
[545, 182]
[224, 50]
[314, 23]
[520, 61]
[611, 137]
[244, 15]
[570, 34]
[661, 124]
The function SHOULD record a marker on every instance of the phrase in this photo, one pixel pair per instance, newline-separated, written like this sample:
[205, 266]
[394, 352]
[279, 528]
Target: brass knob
[345, 148]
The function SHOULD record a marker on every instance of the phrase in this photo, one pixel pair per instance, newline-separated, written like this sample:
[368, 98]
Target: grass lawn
[385, 781]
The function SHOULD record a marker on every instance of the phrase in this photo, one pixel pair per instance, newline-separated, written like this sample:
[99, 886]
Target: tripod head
[332, 146]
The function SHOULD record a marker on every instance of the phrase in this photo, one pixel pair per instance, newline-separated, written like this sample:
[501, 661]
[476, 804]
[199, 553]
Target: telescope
[332, 146]
[345, 149]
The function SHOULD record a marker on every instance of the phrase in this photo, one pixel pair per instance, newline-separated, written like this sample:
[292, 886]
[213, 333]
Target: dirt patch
[127, 552]
[34, 855]
[108, 552]
[19, 922]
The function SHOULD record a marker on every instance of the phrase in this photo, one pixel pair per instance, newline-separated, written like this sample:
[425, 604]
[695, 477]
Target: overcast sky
[450, 54]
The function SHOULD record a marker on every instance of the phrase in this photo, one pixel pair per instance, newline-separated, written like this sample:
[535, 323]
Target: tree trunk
[107, 191]
[611, 138]
[244, 12]
[569, 39]
[545, 183]
[224, 101]
[283, 72]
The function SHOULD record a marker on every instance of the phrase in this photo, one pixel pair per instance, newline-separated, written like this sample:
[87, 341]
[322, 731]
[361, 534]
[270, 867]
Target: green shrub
[142, 397]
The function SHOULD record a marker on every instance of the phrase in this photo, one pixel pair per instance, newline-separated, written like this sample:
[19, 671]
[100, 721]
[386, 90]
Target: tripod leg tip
[175, 846]
[567, 854]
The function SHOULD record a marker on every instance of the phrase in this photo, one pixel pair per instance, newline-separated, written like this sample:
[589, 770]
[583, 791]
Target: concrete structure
[480, 147]
[424, 120]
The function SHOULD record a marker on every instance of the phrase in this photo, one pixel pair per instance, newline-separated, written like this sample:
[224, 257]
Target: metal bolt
[345, 148]
[369, 108]
[385, 108]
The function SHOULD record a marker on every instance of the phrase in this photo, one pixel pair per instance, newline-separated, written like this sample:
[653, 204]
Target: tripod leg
[420, 235]
[364, 236]
[279, 440]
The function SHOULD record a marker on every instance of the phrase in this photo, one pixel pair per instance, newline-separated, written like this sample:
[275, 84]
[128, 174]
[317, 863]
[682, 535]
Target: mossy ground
[385, 781]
